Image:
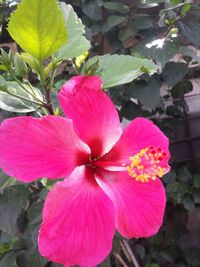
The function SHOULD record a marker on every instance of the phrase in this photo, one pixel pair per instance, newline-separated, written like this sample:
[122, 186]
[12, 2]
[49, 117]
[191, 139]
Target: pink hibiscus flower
[111, 177]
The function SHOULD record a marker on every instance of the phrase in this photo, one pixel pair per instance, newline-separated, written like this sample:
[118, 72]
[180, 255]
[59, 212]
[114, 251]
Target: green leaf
[196, 197]
[5, 59]
[175, 2]
[3, 68]
[119, 7]
[185, 8]
[14, 104]
[92, 10]
[181, 88]
[192, 256]
[3, 84]
[173, 187]
[35, 215]
[190, 27]
[12, 200]
[147, 92]
[142, 22]
[112, 21]
[31, 61]
[118, 69]
[161, 50]
[131, 110]
[116, 246]
[105, 263]
[6, 243]
[6, 181]
[38, 26]
[188, 203]
[77, 44]
[140, 250]
[196, 181]
[9, 259]
[174, 72]
[20, 67]
[126, 33]
[190, 53]
[169, 177]
[31, 236]
[184, 175]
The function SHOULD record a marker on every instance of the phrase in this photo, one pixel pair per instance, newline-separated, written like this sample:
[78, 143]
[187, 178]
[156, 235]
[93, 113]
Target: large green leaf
[38, 26]
[118, 69]
[11, 103]
[77, 44]
[161, 50]
[147, 92]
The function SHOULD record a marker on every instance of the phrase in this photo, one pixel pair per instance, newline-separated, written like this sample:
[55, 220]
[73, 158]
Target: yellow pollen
[149, 163]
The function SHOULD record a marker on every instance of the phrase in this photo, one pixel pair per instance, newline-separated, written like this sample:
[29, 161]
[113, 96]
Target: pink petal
[47, 147]
[78, 222]
[139, 134]
[94, 115]
[139, 206]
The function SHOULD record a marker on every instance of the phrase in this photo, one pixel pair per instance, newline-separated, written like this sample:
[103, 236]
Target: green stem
[74, 67]
[44, 110]
[41, 75]
[48, 104]
[52, 78]
[24, 88]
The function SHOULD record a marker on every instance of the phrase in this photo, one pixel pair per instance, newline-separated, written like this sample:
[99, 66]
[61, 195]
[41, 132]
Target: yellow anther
[149, 163]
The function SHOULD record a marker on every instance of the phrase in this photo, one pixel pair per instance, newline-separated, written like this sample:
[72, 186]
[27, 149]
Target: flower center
[92, 162]
[149, 163]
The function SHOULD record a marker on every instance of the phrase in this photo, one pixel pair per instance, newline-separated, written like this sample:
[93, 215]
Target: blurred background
[168, 32]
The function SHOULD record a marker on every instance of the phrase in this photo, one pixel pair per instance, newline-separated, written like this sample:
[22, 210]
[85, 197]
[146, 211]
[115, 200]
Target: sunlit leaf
[118, 69]
[38, 26]
[160, 50]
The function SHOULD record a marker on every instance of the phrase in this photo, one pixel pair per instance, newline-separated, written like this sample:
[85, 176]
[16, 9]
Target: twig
[194, 66]
[48, 106]
[130, 252]
[74, 67]
[125, 251]
[119, 258]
